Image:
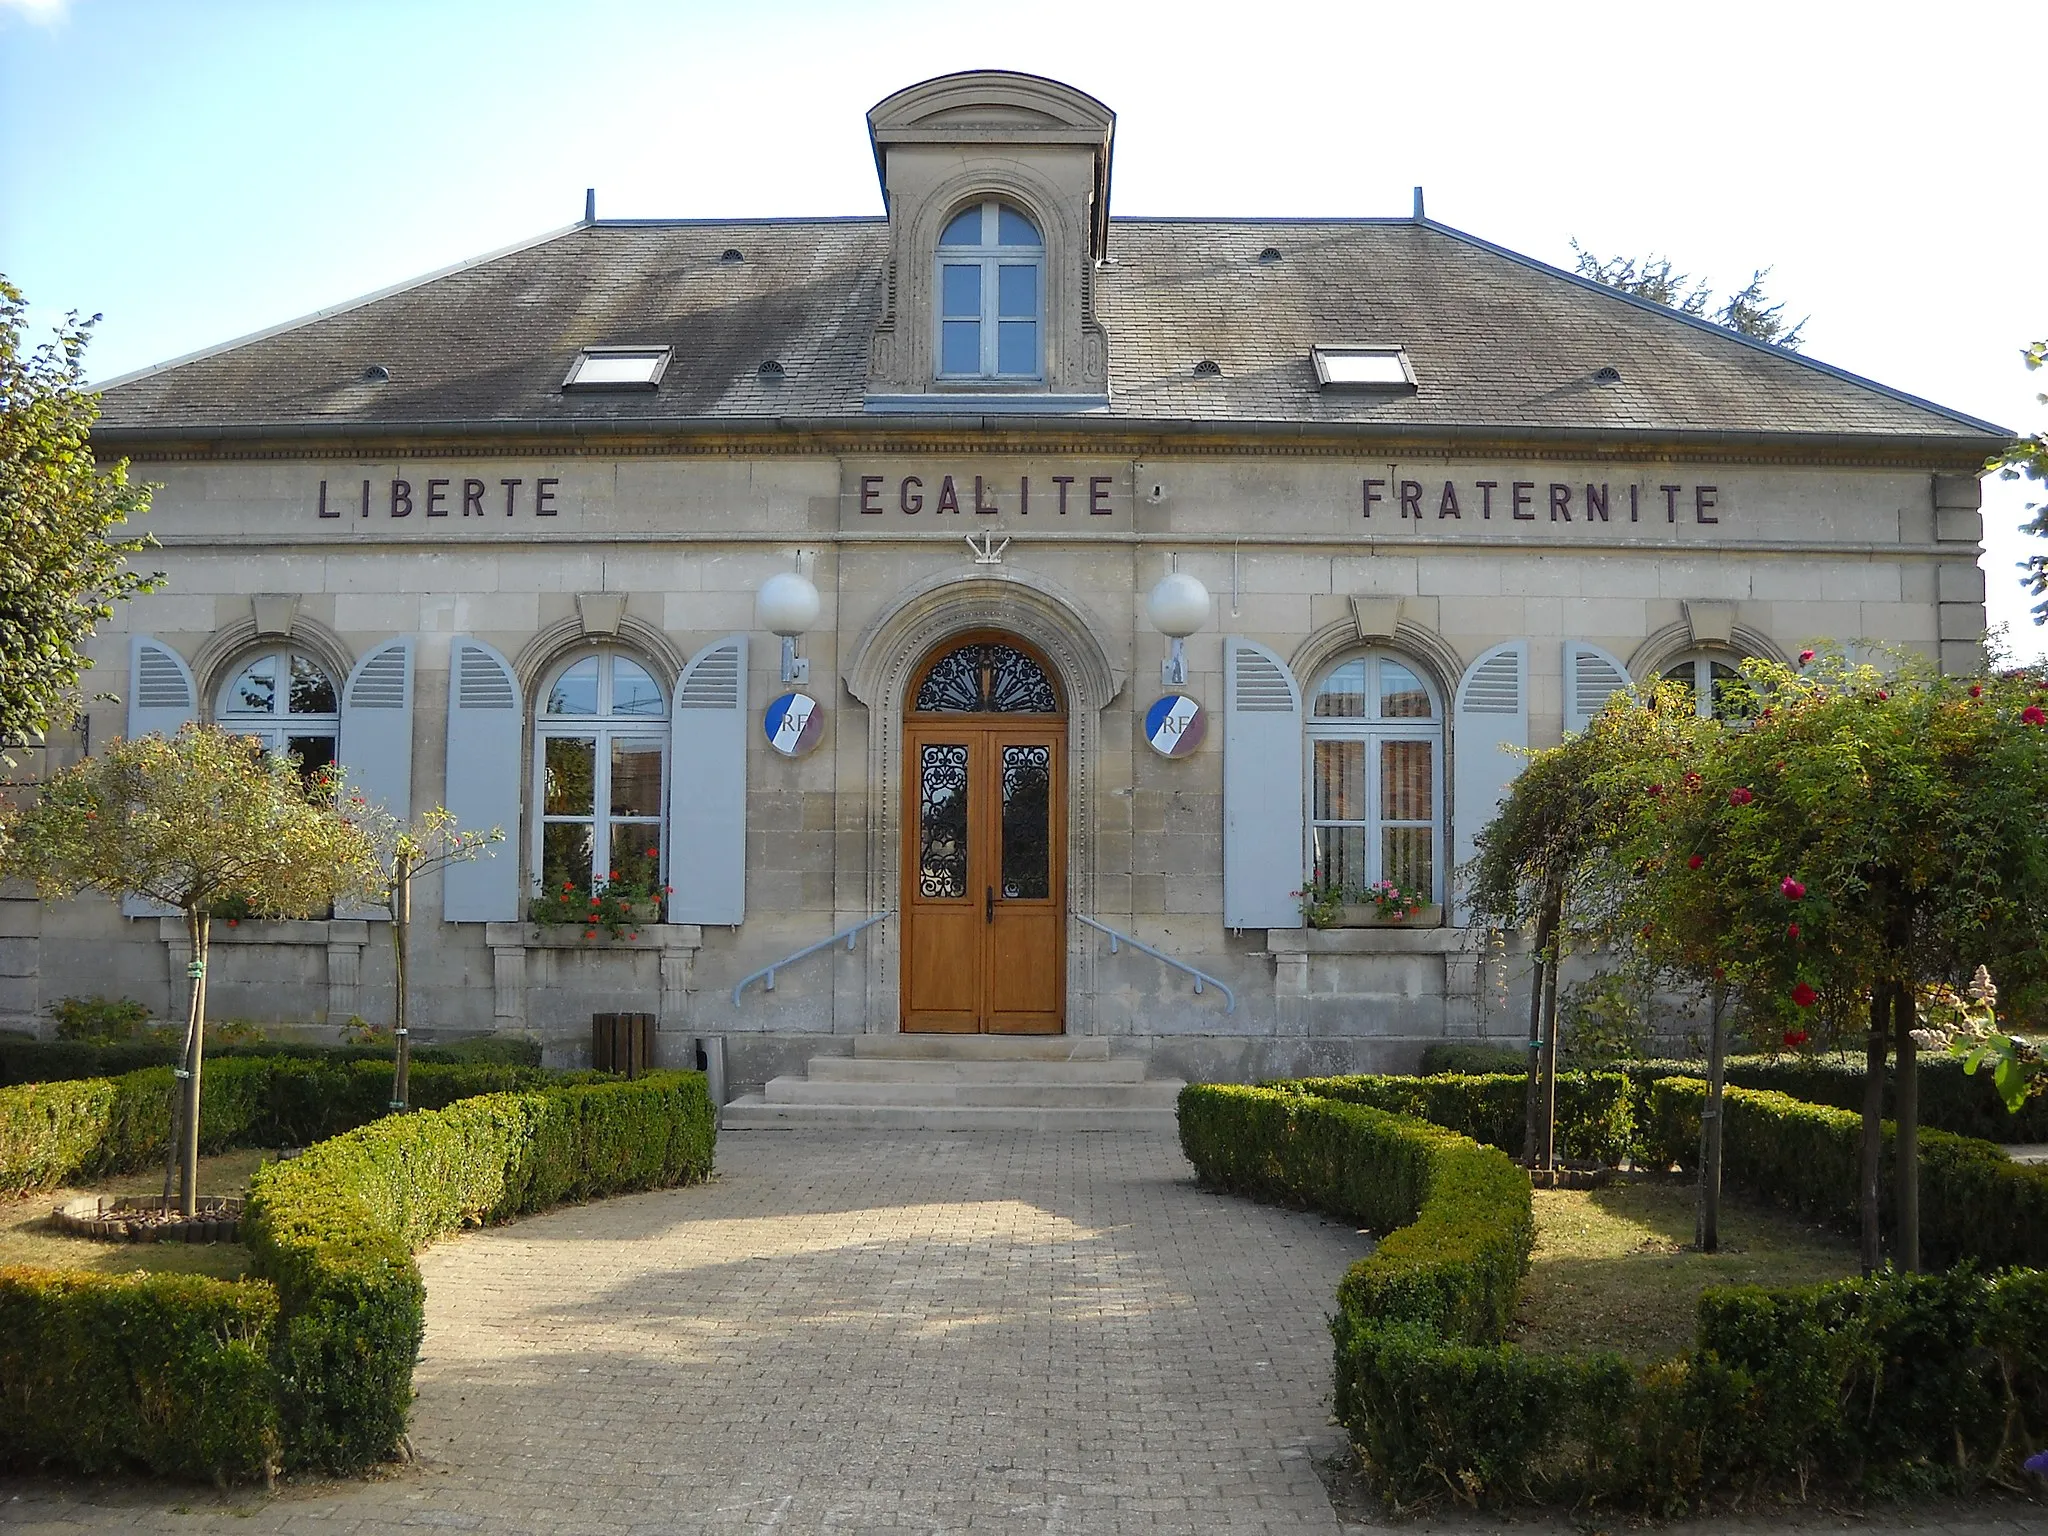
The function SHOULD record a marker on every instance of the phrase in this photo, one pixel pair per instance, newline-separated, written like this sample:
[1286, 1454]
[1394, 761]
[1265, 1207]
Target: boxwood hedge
[51, 1061]
[1595, 1110]
[1897, 1382]
[308, 1366]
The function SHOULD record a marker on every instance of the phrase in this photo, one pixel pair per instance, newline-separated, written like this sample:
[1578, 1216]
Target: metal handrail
[1201, 977]
[767, 972]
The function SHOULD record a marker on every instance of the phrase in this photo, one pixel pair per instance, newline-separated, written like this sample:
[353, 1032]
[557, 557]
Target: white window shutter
[1262, 789]
[376, 727]
[1592, 676]
[162, 699]
[707, 787]
[1491, 716]
[485, 765]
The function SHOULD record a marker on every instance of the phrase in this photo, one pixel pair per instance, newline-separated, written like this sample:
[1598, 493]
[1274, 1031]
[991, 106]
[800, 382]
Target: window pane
[965, 228]
[1027, 822]
[1342, 696]
[636, 855]
[1017, 347]
[633, 691]
[1340, 855]
[312, 692]
[1402, 696]
[1339, 781]
[1407, 857]
[962, 347]
[575, 691]
[564, 856]
[962, 292]
[255, 691]
[1406, 783]
[942, 820]
[636, 778]
[1017, 293]
[571, 787]
[1012, 228]
[314, 753]
[1725, 684]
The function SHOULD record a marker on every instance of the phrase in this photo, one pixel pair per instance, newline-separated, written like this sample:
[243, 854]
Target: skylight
[1363, 367]
[617, 368]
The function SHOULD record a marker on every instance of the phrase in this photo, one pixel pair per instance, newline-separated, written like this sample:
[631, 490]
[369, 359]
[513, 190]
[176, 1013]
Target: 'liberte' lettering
[435, 500]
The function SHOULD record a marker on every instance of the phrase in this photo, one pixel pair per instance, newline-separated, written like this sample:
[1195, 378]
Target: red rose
[2033, 716]
[1646, 929]
[1794, 1038]
[1791, 889]
[1656, 789]
[1882, 695]
[1804, 995]
[1805, 657]
[1692, 781]
[1976, 692]
[1791, 930]
[1694, 862]
[590, 933]
[1739, 796]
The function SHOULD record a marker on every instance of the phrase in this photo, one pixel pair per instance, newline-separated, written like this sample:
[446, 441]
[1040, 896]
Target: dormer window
[991, 289]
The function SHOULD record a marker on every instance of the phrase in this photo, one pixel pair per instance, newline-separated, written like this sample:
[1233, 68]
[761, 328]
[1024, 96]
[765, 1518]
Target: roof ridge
[389, 291]
[1709, 327]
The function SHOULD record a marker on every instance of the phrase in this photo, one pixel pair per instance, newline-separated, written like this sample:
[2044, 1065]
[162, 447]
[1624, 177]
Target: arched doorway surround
[880, 668]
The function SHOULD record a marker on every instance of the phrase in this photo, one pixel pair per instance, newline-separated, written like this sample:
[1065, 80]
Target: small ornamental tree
[402, 852]
[1548, 858]
[202, 818]
[1863, 837]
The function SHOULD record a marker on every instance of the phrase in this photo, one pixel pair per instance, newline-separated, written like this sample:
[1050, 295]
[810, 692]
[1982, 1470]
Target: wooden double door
[984, 947]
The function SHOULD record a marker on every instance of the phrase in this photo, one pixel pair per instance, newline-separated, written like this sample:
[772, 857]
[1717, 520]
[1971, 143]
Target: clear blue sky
[196, 169]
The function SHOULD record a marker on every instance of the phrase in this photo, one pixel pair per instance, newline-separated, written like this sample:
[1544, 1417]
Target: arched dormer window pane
[1715, 683]
[991, 295]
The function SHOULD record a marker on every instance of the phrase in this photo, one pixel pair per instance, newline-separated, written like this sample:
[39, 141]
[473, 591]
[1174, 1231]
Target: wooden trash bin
[622, 1042]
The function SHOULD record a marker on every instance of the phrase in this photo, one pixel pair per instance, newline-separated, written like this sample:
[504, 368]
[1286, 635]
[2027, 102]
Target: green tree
[203, 818]
[1865, 835]
[61, 568]
[1748, 311]
[401, 852]
[2027, 459]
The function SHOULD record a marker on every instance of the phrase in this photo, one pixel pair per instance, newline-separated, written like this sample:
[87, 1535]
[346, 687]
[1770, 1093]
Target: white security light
[1363, 368]
[787, 605]
[618, 368]
[1177, 607]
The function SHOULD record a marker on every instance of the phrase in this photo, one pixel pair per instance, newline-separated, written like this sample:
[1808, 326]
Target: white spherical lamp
[1177, 607]
[787, 605]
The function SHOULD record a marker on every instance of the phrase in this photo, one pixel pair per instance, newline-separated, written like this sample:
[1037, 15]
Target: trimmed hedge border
[1950, 1100]
[308, 1367]
[1901, 1382]
[1596, 1119]
[56, 1061]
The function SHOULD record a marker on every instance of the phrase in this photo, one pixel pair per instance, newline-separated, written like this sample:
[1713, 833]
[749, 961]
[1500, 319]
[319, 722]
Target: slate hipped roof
[1500, 344]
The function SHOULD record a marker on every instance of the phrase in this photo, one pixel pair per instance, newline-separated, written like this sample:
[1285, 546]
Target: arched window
[991, 288]
[1376, 740]
[601, 761]
[1709, 676]
[287, 701]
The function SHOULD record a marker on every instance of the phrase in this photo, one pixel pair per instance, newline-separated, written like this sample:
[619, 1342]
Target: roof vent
[376, 373]
[1208, 368]
[771, 370]
[618, 368]
[1608, 375]
[731, 256]
[1270, 253]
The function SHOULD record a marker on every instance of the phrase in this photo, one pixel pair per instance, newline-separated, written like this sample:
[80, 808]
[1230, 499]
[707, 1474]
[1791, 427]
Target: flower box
[1430, 915]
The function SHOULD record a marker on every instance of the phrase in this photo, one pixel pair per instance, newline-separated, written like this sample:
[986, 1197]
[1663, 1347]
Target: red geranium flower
[590, 933]
[1739, 796]
[1694, 862]
[2033, 716]
[1805, 657]
[1791, 889]
[1794, 1038]
[1804, 995]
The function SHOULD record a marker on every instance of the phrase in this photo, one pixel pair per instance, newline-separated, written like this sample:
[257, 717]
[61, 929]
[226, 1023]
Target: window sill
[967, 400]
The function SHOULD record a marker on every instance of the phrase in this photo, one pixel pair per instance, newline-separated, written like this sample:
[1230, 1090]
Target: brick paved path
[862, 1333]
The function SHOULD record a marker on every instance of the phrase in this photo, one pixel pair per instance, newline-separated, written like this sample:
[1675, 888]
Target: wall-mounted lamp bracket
[795, 668]
[1174, 670]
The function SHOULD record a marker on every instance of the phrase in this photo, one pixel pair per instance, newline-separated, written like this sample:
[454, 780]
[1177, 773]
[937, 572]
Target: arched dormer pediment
[1008, 139]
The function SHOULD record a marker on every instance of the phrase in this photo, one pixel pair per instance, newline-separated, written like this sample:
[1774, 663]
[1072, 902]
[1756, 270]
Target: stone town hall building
[498, 538]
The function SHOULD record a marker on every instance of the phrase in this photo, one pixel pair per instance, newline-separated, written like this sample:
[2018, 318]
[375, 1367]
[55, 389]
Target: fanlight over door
[985, 844]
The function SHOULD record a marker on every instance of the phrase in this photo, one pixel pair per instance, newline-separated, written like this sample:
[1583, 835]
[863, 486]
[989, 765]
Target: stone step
[755, 1113]
[1159, 1094]
[901, 1047]
[867, 1069]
